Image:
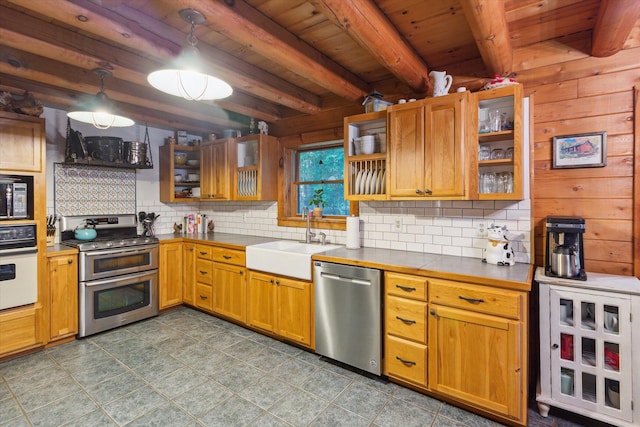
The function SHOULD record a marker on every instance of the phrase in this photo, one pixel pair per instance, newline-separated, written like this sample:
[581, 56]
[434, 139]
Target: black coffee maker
[564, 251]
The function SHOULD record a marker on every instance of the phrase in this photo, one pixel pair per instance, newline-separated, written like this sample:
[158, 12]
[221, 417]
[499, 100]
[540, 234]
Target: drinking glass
[497, 153]
[495, 120]
[509, 153]
[484, 152]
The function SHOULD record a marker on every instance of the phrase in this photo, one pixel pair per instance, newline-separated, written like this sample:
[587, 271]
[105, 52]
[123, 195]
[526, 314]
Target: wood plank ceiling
[288, 59]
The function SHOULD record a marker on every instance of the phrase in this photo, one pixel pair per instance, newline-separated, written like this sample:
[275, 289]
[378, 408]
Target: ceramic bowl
[193, 177]
[193, 162]
[180, 158]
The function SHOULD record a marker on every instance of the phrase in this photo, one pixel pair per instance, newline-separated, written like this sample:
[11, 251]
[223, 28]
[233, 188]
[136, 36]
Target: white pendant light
[100, 112]
[184, 76]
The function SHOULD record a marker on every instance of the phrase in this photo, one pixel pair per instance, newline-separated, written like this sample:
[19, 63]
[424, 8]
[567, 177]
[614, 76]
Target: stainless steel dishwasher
[348, 307]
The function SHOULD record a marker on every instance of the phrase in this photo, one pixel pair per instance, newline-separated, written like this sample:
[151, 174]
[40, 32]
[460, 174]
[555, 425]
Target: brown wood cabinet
[406, 327]
[229, 283]
[19, 329]
[22, 143]
[215, 177]
[477, 346]
[171, 190]
[281, 305]
[189, 256]
[427, 148]
[170, 275]
[255, 171]
[63, 296]
[204, 278]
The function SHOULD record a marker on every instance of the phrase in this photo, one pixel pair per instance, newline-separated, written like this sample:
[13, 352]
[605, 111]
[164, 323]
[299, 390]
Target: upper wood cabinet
[178, 160]
[501, 175]
[427, 148]
[365, 166]
[215, 178]
[255, 167]
[22, 143]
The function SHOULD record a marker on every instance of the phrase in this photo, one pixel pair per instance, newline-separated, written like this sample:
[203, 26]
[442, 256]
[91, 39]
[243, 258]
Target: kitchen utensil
[193, 177]
[193, 162]
[564, 248]
[441, 82]
[85, 233]
[177, 177]
[564, 261]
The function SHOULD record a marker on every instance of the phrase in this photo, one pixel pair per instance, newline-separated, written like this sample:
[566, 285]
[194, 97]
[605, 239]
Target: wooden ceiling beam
[126, 30]
[371, 29]
[488, 23]
[615, 21]
[241, 22]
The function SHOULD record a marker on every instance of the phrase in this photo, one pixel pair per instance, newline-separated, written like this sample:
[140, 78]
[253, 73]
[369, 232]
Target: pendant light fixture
[100, 112]
[184, 76]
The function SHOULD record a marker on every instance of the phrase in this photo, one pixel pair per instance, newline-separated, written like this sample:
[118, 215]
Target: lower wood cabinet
[189, 264]
[170, 275]
[281, 305]
[229, 291]
[63, 296]
[19, 329]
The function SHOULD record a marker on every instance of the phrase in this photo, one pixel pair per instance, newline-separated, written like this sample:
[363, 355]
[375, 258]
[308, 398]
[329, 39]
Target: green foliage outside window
[322, 168]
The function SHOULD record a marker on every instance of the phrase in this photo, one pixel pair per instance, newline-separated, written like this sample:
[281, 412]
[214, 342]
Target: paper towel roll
[353, 232]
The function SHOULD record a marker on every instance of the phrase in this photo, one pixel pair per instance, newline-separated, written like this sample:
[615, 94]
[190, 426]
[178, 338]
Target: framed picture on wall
[584, 150]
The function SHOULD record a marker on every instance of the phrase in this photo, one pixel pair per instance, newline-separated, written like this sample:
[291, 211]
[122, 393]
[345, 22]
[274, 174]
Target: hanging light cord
[193, 41]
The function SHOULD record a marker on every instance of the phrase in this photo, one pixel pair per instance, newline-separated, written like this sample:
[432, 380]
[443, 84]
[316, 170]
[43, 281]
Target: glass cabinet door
[591, 351]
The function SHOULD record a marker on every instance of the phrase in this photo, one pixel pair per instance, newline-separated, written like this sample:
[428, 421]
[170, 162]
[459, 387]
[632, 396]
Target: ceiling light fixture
[100, 112]
[183, 76]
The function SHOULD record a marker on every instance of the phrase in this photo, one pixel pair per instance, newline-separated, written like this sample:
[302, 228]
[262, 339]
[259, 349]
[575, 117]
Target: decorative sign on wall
[585, 150]
[87, 190]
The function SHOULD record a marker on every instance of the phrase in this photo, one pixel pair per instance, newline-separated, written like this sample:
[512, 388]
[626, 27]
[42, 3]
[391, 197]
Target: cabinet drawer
[204, 271]
[406, 360]
[406, 318]
[481, 299]
[204, 251]
[18, 330]
[403, 285]
[204, 296]
[230, 256]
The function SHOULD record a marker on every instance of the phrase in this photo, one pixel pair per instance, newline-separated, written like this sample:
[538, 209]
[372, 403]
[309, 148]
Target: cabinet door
[189, 284]
[261, 301]
[229, 291]
[474, 358]
[294, 310]
[170, 274]
[214, 175]
[63, 290]
[21, 144]
[590, 351]
[444, 137]
[406, 153]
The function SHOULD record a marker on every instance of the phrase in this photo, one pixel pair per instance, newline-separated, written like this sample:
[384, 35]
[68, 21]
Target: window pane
[323, 164]
[334, 195]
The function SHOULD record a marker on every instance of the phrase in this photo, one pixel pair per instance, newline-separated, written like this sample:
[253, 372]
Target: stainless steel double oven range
[117, 272]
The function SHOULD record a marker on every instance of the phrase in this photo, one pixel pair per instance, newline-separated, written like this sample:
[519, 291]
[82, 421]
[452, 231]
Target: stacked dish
[369, 181]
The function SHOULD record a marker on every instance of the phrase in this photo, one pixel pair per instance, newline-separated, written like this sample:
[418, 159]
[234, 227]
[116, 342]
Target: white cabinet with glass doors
[589, 350]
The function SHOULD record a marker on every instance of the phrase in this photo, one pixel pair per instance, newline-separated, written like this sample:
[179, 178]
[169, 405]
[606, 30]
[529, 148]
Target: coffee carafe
[564, 249]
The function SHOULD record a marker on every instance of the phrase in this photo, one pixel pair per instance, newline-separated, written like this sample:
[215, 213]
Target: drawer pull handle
[203, 297]
[471, 300]
[406, 288]
[406, 362]
[203, 272]
[407, 321]
[203, 253]
[226, 256]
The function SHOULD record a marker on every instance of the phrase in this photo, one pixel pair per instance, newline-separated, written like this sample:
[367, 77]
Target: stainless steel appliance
[117, 272]
[564, 247]
[18, 265]
[348, 307]
[14, 199]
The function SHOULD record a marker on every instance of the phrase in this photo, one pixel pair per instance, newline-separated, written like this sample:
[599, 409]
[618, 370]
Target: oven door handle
[116, 279]
[18, 251]
[134, 249]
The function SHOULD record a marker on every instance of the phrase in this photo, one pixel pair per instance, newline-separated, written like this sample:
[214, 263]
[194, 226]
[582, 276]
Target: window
[321, 168]
[306, 168]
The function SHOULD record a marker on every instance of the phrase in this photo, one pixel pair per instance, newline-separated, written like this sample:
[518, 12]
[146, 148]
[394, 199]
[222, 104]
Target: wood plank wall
[588, 95]
[574, 93]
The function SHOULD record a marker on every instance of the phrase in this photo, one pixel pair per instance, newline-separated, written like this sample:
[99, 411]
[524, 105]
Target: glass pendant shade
[184, 77]
[99, 111]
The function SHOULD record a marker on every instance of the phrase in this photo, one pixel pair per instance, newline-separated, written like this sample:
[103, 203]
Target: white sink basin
[285, 257]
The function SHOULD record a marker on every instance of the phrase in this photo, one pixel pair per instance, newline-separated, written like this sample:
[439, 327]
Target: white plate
[379, 183]
[363, 182]
[356, 188]
[384, 182]
[374, 182]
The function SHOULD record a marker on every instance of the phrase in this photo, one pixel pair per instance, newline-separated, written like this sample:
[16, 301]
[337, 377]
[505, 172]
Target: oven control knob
[122, 242]
[94, 246]
[109, 244]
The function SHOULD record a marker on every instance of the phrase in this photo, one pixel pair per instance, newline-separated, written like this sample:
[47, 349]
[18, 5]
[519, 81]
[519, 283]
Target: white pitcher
[441, 82]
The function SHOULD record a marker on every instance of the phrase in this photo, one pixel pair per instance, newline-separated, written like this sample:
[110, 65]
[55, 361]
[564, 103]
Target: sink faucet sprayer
[309, 234]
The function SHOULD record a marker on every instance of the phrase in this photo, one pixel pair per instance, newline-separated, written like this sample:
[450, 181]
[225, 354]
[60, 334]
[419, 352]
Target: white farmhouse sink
[285, 257]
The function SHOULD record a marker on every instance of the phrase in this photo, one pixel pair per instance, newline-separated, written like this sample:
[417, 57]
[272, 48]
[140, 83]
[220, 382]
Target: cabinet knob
[271, 280]
[417, 191]
[427, 191]
[278, 282]
[432, 312]
[70, 261]
[555, 346]
[241, 272]
[190, 249]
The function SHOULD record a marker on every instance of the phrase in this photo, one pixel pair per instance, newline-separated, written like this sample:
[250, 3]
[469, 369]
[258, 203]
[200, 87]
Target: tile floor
[186, 368]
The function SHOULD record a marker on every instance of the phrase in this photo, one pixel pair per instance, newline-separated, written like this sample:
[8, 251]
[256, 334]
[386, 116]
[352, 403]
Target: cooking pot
[565, 262]
[85, 233]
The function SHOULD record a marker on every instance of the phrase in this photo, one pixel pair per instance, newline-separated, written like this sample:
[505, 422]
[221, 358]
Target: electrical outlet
[398, 223]
[482, 229]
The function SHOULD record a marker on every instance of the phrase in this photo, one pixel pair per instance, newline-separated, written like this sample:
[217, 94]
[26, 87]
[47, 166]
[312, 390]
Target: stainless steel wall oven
[117, 274]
